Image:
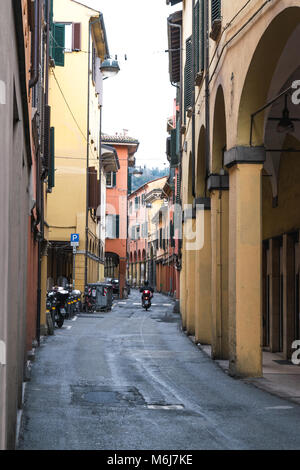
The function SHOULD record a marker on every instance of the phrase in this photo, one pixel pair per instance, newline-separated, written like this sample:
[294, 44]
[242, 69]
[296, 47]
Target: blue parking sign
[75, 238]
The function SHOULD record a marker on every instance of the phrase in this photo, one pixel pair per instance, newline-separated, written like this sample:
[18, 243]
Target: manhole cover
[104, 395]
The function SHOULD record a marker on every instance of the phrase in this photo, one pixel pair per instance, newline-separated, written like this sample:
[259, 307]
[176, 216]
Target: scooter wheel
[60, 323]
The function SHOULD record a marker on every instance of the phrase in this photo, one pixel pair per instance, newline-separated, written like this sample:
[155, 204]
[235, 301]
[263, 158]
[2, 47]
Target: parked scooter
[56, 303]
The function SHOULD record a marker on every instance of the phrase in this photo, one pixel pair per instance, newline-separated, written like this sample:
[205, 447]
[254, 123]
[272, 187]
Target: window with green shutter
[188, 75]
[216, 19]
[215, 10]
[51, 167]
[117, 220]
[199, 37]
[59, 44]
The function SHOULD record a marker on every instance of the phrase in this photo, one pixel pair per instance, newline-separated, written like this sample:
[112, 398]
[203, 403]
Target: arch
[139, 255]
[219, 132]
[130, 257]
[260, 74]
[144, 255]
[201, 164]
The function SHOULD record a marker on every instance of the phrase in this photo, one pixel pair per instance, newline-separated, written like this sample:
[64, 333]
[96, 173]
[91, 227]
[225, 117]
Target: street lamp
[109, 68]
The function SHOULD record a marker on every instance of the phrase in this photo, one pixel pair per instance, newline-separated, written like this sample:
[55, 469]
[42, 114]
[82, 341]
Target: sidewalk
[280, 377]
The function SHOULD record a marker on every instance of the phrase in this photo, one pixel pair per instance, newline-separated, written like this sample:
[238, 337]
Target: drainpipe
[207, 92]
[37, 22]
[193, 99]
[88, 157]
[180, 116]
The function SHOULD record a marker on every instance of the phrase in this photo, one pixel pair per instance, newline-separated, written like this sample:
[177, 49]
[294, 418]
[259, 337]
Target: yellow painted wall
[67, 203]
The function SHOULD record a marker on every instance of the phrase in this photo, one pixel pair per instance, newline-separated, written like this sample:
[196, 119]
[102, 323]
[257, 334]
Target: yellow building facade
[77, 201]
[240, 164]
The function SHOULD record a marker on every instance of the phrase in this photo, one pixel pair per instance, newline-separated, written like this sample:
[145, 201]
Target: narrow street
[130, 379]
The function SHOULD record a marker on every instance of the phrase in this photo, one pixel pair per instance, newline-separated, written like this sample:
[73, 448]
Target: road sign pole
[74, 259]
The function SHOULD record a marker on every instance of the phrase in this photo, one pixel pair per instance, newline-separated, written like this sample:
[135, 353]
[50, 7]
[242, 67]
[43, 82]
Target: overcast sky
[140, 98]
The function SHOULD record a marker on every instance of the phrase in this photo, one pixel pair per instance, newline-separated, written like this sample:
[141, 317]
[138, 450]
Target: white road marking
[136, 304]
[122, 303]
[165, 407]
[167, 305]
[279, 407]
[75, 318]
[69, 327]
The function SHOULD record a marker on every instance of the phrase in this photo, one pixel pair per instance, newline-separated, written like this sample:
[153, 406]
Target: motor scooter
[146, 299]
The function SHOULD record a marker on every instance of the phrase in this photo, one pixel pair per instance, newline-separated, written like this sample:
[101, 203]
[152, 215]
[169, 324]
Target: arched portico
[245, 162]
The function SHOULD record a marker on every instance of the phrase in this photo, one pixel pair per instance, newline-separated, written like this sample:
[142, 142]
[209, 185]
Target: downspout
[180, 116]
[207, 93]
[37, 22]
[88, 156]
[193, 99]
[40, 184]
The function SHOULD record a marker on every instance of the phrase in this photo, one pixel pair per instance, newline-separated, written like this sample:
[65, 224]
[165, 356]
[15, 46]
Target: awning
[174, 46]
[109, 159]
[173, 2]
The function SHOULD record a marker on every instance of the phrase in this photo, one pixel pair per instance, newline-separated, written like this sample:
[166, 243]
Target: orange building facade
[117, 188]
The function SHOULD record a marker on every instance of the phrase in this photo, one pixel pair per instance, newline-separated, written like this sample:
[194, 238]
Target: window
[65, 37]
[112, 228]
[137, 203]
[68, 38]
[188, 76]
[111, 179]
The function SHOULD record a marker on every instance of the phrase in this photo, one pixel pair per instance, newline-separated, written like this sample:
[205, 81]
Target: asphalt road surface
[131, 380]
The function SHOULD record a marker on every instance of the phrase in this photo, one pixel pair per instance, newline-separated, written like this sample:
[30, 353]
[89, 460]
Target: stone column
[245, 260]
[44, 272]
[202, 272]
[190, 254]
[274, 293]
[218, 185]
[182, 297]
[288, 264]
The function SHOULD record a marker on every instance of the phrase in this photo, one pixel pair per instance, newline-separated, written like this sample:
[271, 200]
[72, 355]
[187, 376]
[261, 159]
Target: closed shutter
[51, 173]
[59, 44]
[174, 156]
[129, 182]
[51, 28]
[196, 34]
[114, 179]
[117, 219]
[47, 116]
[215, 10]
[188, 76]
[76, 36]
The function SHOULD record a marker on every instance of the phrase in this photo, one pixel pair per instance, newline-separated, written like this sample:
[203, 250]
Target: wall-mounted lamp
[109, 67]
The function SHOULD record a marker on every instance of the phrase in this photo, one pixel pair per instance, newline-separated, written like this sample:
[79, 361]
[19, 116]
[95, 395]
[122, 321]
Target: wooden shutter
[215, 10]
[76, 37]
[47, 116]
[188, 76]
[51, 173]
[196, 35]
[59, 44]
[117, 220]
[51, 28]
[114, 179]
[129, 182]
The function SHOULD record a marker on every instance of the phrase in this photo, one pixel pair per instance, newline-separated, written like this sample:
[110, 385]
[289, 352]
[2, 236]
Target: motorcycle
[146, 299]
[56, 304]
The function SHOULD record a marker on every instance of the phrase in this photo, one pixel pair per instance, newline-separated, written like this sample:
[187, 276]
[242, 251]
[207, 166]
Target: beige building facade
[77, 202]
[240, 166]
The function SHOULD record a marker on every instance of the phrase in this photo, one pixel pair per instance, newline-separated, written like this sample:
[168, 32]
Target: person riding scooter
[147, 294]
